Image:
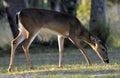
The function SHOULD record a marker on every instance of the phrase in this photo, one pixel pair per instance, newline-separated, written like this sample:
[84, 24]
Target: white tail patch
[24, 32]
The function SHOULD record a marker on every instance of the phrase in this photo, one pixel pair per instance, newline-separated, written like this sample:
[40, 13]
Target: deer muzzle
[106, 60]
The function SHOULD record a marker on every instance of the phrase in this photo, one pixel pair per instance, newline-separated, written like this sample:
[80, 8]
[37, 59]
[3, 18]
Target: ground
[46, 65]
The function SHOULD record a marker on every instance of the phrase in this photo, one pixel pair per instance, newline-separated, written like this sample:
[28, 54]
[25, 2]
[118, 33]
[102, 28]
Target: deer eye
[103, 49]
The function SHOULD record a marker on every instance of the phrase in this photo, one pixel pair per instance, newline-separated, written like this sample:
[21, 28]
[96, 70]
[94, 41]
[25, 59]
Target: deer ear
[92, 39]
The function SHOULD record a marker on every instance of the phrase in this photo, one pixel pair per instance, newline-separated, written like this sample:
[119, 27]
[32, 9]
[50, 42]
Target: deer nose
[106, 60]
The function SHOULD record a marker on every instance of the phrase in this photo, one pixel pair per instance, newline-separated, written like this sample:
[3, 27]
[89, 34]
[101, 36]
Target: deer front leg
[61, 48]
[26, 44]
[26, 50]
[76, 43]
[25, 47]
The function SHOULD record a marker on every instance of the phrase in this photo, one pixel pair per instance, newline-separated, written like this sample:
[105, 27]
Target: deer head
[100, 49]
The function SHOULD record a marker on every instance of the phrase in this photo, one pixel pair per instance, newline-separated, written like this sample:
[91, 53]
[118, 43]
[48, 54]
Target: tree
[65, 6]
[12, 7]
[54, 4]
[69, 6]
[83, 11]
[98, 24]
[35, 3]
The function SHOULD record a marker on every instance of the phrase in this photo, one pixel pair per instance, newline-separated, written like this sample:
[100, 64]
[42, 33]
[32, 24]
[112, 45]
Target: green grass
[73, 70]
[46, 65]
[68, 71]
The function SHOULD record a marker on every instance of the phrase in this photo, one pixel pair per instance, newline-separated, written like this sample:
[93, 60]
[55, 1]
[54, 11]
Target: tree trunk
[98, 19]
[65, 6]
[98, 11]
[69, 6]
[54, 4]
[12, 7]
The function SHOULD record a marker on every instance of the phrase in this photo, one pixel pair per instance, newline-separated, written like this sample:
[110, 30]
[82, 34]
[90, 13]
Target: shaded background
[101, 17]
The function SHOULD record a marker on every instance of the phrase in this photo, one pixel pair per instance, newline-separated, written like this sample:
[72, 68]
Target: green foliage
[114, 1]
[37, 4]
[83, 11]
[1, 4]
[5, 50]
[1, 9]
[115, 42]
[114, 39]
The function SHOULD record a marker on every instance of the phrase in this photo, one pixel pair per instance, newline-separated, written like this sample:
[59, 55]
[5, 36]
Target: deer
[31, 20]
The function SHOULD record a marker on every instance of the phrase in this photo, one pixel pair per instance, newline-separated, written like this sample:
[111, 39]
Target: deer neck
[87, 38]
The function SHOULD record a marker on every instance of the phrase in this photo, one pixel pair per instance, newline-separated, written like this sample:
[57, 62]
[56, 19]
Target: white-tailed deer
[31, 21]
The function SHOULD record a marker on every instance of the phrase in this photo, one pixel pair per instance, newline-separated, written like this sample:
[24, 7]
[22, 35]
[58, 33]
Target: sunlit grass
[68, 70]
[74, 65]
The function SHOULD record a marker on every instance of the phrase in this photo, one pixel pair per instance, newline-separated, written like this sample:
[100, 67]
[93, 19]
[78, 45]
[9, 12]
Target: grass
[73, 70]
[46, 65]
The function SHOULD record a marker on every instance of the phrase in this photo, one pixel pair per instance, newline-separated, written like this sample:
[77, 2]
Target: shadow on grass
[46, 64]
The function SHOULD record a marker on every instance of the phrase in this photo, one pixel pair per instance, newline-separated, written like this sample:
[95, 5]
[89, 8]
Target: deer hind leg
[26, 45]
[14, 43]
[61, 48]
[76, 43]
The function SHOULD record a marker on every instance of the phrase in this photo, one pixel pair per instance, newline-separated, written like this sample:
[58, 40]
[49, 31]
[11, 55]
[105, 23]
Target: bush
[2, 11]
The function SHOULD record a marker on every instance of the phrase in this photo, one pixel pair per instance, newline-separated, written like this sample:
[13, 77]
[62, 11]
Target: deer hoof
[90, 64]
[32, 67]
[60, 66]
[9, 69]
